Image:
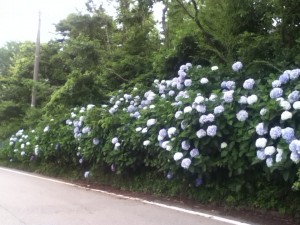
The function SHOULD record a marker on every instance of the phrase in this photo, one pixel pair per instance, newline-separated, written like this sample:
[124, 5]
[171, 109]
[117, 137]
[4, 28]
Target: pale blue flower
[201, 108]
[211, 130]
[185, 145]
[185, 163]
[187, 109]
[237, 66]
[86, 130]
[248, 84]
[288, 134]
[261, 129]
[169, 175]
[218, 110]
[228, 96]
[294, 74]
[163, 133]
[199, 99]
[178, 114]
[260, 155]
[243, 100]
[171, 93]
[276, 93]
[96, 141]
[293, 97]
[198, 182]
[295, 157]
[275, 132]
[212, 97]
[194, 152]
[284, 78]
[201, 133]
[230, 85]
[183, 124]
[276, 84]
[117, 146]
[242, 115]
[294, 146]
[203, 119]
[188, 82]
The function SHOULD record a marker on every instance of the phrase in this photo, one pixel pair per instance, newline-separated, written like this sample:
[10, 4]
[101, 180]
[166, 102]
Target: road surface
[28, 199]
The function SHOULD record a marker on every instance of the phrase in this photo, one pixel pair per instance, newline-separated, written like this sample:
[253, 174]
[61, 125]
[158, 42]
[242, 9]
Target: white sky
[19, 18]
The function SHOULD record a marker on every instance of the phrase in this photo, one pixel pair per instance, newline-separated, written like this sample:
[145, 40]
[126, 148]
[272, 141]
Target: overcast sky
[19, 18]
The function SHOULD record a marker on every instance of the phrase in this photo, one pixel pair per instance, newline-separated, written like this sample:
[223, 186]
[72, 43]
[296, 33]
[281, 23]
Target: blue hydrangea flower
[276, 83]
[170, 175]
[211, 130]
[237, 66]
[185, 145]
[288, 134]
[194, 152]
[275, 132]
[294, 74]
[248, 84]
[228, 96]
[269, 162]
[198, 182]
[293, 97]
[260, 155]
[276, 93]
[261, 129]
[284, 78]
[242, 115]
[219, 109]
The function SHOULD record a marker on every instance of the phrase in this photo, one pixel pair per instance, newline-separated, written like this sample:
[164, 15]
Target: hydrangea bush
[205, 123]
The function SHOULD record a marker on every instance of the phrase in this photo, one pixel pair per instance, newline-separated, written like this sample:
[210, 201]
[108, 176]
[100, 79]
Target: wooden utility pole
[36, 63]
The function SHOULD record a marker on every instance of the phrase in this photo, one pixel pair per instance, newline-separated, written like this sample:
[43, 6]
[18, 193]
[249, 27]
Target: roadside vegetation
[208, 110]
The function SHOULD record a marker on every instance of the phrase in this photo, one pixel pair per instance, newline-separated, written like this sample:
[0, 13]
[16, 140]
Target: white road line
[218, 218]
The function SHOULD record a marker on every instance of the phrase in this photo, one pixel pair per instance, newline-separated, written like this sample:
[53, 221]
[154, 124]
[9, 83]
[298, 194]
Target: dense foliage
[110, 95]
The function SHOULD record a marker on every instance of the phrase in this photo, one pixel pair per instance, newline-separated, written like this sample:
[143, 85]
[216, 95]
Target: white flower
[171, 131]
[275, 132]
[22, 145]
[219, 109]
[187, 109]
[114, 140]
[138, 129]
[201, 108]
[144, 130]
[279, 155]
[251, 99]
[286, 115]
[204, 80]
[285, 105]
[276, 83]
[269, 162]
[146, 143]
[178, 114]
[23, 153]
[263, 111]
[87, 174]
[295, 157]
[242, 115]
[212, 97]
[223, 145]
[296, 105]
[46, 129]
[194, 152]
[201, 133]
[199, 99]
[117, 146]
[171, 93]
[177, 156]
[243, 100]
[90, 106]
[261, 142]
[237, 66]
[270, 150]
[213, 68]
[151, 122]
[185, 163]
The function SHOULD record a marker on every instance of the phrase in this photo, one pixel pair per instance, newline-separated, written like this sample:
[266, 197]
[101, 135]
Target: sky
[19, 18]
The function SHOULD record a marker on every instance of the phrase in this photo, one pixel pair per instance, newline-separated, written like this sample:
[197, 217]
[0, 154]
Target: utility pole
[36, 63]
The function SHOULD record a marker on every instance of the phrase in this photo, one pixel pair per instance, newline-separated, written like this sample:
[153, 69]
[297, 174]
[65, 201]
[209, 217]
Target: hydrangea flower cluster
[289, 103]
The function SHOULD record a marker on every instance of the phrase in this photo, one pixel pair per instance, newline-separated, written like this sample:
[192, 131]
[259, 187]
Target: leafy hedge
[208, 125]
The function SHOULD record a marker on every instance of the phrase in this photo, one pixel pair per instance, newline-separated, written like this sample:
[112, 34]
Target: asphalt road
[28, 199]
